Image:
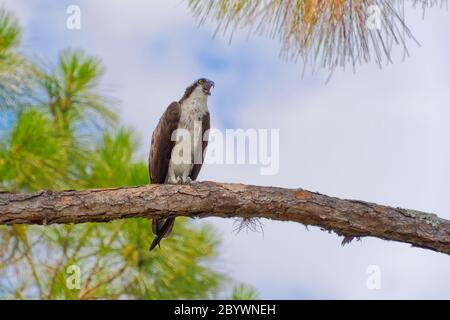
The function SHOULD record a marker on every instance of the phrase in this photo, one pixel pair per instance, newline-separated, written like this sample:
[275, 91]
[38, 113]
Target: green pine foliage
[58, 131]
[17, 75]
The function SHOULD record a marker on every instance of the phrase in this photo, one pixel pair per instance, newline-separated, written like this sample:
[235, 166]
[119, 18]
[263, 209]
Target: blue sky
[376, 135]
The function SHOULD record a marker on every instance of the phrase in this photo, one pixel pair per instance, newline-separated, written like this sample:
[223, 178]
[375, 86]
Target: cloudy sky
[375, 135]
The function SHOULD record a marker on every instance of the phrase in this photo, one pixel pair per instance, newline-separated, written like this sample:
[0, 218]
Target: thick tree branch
[348, 218]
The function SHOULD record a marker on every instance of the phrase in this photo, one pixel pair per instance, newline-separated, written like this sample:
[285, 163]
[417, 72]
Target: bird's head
[205, 85]
[201, 86]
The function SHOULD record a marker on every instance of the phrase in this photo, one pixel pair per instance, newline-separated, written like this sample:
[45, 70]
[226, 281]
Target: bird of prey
[167, 163]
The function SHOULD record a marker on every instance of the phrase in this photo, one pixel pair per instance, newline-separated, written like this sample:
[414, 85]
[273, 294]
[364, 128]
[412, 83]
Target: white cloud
[20, 8]
[380, 136]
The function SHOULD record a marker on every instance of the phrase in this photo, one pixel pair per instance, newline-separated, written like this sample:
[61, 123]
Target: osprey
[176, 142]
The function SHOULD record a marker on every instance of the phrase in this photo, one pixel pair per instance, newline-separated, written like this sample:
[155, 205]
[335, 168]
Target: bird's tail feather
[161, 229]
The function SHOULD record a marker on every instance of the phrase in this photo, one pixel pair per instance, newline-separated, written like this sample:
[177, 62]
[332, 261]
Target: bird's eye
[201, 81]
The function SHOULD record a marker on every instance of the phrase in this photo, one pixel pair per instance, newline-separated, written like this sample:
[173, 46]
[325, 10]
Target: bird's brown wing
[162, 144]
[197, 166]
[159, 159]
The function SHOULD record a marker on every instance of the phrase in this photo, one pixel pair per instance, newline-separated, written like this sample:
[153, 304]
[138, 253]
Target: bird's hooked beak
[207, 87]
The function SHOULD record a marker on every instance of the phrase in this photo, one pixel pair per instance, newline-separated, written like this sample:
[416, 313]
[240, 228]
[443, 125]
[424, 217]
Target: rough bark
[348, 218]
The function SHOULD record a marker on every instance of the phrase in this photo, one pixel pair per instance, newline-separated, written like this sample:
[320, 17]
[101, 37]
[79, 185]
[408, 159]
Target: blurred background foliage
[58, 131]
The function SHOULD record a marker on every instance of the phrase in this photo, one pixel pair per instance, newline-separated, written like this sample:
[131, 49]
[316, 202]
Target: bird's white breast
[193, 109]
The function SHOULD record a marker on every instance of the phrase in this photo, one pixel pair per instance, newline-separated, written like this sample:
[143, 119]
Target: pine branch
[348, 218]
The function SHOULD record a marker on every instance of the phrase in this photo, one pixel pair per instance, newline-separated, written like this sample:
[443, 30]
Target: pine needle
[322, 33]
